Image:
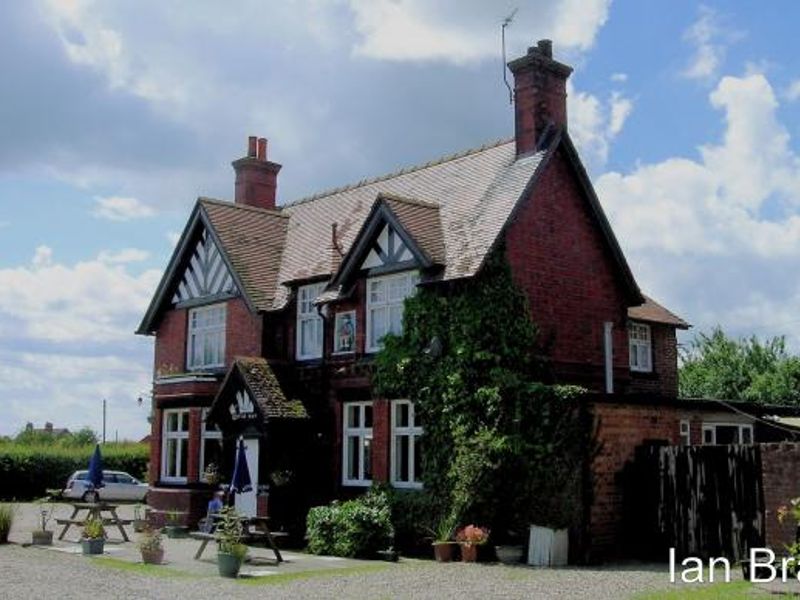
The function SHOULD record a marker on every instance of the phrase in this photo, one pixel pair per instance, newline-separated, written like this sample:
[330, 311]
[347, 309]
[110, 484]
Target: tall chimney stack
[256, 177]
[540, 95]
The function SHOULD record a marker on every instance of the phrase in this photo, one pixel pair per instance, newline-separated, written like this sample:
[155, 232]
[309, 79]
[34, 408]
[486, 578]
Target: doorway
[245, 502]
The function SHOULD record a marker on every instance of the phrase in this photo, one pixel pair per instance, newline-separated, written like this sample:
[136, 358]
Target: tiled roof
[653, 312]
[253, 240]
[422, 221]
[475, 192]
[267, 391]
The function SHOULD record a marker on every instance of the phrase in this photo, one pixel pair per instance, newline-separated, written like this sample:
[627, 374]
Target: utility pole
[104, 421]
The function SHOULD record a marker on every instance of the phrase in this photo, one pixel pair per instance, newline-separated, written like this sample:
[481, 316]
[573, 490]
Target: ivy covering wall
[500, 447]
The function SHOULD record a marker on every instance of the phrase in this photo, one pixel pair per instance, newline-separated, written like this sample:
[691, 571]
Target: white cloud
[594, 123]
[459, 32]
[619, 77]
[87, 303]
[710, 39]
[793, 91]
[173, 237]
[717, 234]
[116, 208]
[126, 255]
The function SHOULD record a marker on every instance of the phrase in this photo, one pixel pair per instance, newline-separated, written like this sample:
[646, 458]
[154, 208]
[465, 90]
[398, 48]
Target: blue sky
[116, 116]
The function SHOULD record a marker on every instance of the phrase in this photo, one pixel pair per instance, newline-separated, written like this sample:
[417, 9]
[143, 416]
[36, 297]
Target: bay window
[406, 448]
[206, 339]
[175, 446]
[385, 297]
[640, 344]
[357, 444]
[309, 322]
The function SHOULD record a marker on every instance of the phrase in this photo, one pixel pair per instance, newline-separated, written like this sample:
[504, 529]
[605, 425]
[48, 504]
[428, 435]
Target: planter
[176, 531]
[444, 551]
[92, 546]
[228, 564]
[469, 552]
[139, 525]
[152, 557]
[510, 555]
[548, 547]
[42, 538]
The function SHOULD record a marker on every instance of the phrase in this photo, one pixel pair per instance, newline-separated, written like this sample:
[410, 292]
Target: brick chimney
[540, 95]
[256, 177]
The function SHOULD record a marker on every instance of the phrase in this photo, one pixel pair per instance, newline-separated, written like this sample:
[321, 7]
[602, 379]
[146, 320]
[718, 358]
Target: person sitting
[214, 506]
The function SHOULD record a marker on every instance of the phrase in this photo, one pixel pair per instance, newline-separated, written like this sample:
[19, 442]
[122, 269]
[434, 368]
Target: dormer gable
[398, 234]
[206, 276]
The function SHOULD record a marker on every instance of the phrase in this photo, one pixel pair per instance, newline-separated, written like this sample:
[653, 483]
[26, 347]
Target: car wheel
[90, 497]
[146, 498]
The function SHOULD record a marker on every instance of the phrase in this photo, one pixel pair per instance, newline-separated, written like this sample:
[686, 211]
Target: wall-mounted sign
[243, 408]
[345, 332]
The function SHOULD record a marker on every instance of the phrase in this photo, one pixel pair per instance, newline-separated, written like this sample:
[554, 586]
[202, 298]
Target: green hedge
[356, 528]
[28, 471]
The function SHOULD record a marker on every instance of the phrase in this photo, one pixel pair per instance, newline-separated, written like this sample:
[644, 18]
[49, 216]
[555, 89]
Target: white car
[118, 485]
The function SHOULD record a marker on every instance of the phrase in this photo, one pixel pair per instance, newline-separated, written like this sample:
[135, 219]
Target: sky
[115, 116]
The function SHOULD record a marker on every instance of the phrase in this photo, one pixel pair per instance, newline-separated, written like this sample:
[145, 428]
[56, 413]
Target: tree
[717, 366]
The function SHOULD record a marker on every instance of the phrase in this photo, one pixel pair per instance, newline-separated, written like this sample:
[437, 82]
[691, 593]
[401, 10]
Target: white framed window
[206, 339]
[640, 344]
[727, 433]
[385, 297]
[210, 447]
[357, 444]
[175, 445]
[309, 322]
[685, 433]
[406, 446]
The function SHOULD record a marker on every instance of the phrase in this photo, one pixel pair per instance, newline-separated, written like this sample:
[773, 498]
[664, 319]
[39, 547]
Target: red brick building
[268, 314]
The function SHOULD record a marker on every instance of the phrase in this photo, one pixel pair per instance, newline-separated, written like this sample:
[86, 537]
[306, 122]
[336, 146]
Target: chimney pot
[545, 47]
[262, 149]
[251, 145]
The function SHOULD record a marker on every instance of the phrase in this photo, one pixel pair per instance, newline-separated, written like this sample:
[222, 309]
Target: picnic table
[99, 510]
[257, 533]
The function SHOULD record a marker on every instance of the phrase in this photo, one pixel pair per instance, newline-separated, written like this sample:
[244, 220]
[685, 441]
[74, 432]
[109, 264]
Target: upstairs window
[639, 342]
[175, 446]
[385, 297]
[309, 323]
[206, 340]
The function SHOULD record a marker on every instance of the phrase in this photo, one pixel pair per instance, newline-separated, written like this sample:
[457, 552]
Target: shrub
[355, 528]
[30, 470]
[7, 512]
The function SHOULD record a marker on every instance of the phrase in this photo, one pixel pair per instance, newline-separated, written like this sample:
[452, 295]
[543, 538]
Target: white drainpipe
[608, 344]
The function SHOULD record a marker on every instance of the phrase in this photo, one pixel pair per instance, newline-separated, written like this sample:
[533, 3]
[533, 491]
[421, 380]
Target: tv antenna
[506, 22]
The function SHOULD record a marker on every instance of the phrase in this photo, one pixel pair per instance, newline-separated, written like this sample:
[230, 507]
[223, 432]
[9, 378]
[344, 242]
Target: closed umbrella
[241, 472]
[95, 474]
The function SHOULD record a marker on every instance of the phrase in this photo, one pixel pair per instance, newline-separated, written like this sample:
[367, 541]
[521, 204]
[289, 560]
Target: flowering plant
[794, 510]
[473, 535]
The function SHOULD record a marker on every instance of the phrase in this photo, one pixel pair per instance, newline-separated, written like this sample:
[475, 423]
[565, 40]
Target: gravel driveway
[38, 573]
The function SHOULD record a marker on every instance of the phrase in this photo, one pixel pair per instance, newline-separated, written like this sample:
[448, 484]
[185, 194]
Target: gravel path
[37, 573]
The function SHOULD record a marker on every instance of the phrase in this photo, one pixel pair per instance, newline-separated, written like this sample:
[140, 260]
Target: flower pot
[93, 545]
[40, 537]
[228, 564]
[510, 555]
[176, 531]
[152, 557]
[444, 551]
[469, 552]
[548, 547]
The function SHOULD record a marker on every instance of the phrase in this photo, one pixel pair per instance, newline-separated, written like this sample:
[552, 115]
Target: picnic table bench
[96, 510]
[260, 536]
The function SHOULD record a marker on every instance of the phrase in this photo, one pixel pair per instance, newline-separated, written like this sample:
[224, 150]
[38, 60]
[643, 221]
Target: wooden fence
[701, 500]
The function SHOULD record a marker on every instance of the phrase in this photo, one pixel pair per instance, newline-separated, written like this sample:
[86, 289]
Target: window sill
[652, 375]
[404, 485]
[365, 483]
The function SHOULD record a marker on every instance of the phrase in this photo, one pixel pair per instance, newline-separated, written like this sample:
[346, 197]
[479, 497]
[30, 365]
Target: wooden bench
[251, 539]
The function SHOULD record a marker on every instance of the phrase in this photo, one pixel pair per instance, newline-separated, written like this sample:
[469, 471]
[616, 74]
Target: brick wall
[664, 378]
[560, 261]
[780, 464]
[381, 432]
[170, 344]
[243, 333]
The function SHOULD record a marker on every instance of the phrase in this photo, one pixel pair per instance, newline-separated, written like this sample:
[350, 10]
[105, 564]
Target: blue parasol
[95, 474]
[241, 473]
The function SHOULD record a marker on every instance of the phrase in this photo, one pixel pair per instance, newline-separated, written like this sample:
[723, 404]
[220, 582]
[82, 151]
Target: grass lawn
[736, 590]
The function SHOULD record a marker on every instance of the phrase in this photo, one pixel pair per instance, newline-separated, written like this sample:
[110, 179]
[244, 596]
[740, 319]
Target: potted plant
[230, 550]
[174, 528]
[470, 537]
[211, 474]
[150, 546]
[94, 536]
[443, 544]
[43, 536]
[7, 512]
[139, 520]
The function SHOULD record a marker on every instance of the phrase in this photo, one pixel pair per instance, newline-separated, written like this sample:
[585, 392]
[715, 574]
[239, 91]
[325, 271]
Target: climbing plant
[496, 437]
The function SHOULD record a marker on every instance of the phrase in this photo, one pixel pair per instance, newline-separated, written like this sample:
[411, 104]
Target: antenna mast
[506, 22]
